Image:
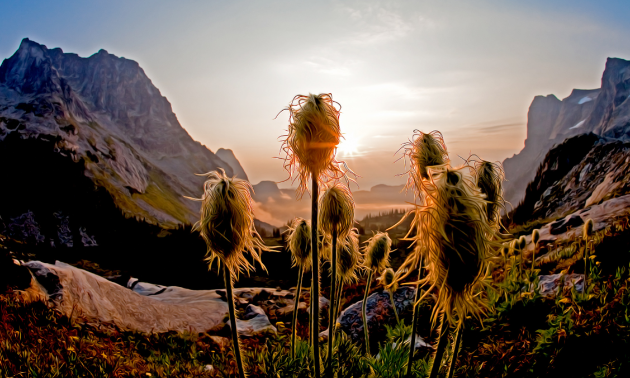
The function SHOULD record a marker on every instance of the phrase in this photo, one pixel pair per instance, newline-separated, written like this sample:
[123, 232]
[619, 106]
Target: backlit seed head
[312, 139]
[522, 243]
[349, 258]
[227, 222]
[377, 252]
[588, 229]
[336, 210]
[489, 177]
[388, 280]
[423, 151]
[299, 241]
[535, 236]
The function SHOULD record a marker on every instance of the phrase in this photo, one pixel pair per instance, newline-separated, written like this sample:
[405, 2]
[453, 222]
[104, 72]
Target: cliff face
[604, 112]
[104, 113]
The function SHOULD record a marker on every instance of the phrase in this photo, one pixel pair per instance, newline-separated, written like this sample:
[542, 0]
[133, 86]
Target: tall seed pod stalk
[310, 145]
[456, 348]
[587, 231]
[376, 259]
[389, 282]
[299, 239]
[227, 226]
[336, 218]
[423, 152]
[457, 237]
[535, 239]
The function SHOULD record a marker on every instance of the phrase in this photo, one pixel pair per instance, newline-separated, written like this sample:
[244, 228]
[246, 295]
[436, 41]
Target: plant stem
[227, 276]
[534, 256]
[365, 322]
[585, 266]
[456, 348]
[315, 276]
[338, 304]
[414, 320]
[439, 350]
[298, 291]
[331, 312]
[391, 298]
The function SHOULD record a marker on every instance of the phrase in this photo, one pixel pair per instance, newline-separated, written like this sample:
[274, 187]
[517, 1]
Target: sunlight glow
[349, 145]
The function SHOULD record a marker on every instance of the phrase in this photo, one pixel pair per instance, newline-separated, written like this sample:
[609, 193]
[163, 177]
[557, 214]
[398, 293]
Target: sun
[349, 145]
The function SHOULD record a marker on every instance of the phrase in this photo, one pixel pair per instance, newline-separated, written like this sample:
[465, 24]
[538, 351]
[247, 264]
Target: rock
[549, 285]
[379, 313]
[254, 323]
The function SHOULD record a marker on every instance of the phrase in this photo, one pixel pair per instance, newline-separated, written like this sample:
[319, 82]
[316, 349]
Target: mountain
[604, 112]
[102, 117]
[229, 157]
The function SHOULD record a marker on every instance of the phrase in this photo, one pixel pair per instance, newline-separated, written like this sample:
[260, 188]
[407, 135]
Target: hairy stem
[338, 302]
[456, 348]
[585, 266]
[227, 276]
[391, 298]
[364, 312]
[298, 291]
[534, 256]
[331, 312]
[315, 277]
[414, 320]
[441, 346]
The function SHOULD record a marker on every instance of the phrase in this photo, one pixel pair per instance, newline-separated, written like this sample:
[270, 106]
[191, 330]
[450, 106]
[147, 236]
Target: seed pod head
[377, 252]
[455, 232]
[423, 151]
[489, 177]
[227, 222]
[349, 258]
[535, 236]
[588, 229]
[312, 139]
[522, 243]
[299, 239]
[515, 245]
[388, 279]
[336, 210]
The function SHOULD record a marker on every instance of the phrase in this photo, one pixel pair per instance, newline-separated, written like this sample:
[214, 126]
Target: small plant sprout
[535, 239]
[312, 138]
[336, 218]
[389, 282]
[376, 259]
[522, 243]
[227, 227]
[299, 239]
[587, 231]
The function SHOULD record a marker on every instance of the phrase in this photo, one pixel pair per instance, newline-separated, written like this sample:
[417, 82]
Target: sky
[468, 69]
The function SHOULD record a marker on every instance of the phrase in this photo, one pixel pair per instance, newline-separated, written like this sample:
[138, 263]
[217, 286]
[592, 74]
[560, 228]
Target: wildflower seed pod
[588, 229]
[377, 252]
[425, 150]
[349, 258]
[312, 139]
[535, 236]
[336, 210]
[227, 222]
[489, 177]
[522, 243]
[388, 279]
[455, 232]
[299, 240]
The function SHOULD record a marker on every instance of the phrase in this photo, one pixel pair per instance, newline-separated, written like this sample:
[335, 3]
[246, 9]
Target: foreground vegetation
[579, 334]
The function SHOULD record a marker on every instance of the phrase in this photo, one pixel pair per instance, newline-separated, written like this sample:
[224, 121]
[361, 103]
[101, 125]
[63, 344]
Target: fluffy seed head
[349, 258]
[312, 139]
[456, 235]
[299, 239]
[336, 210]
[227, 222]
[522, 243]
[489, 177]
[423, 151]
[535, 236]
[388, 280]
[588, 229]
[377, 251]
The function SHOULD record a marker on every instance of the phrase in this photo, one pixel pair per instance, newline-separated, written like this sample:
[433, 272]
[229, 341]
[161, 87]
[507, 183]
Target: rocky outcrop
[229, 157]
[105, 113]
[604, 112]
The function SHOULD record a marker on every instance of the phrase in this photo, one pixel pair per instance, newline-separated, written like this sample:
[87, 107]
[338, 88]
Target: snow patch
[577, 125]
[584, 99]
